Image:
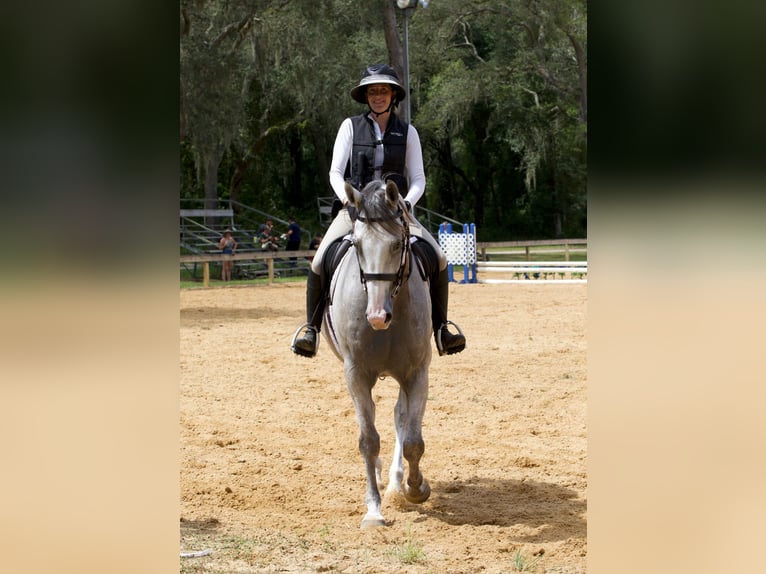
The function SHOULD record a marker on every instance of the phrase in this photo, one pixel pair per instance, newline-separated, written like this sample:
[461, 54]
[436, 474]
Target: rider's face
[379, 97]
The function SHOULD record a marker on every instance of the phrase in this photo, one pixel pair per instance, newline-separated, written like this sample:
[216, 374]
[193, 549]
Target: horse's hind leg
[378, 475]
[396, 472]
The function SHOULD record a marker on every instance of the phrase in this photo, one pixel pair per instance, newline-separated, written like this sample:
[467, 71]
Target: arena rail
[535, 271]
[529, 247]
[528, 271]
[480, 262]
[269, 256]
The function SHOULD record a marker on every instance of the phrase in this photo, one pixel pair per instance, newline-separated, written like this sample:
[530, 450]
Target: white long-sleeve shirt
[413, 162]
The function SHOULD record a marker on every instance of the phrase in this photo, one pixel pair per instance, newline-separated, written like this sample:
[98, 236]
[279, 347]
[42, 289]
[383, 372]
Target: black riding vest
[363, 152]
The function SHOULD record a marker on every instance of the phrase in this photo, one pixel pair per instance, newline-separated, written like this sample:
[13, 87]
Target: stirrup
[440, 345]
[301, 352]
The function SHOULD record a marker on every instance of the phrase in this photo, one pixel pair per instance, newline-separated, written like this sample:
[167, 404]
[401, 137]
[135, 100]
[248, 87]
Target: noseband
[398, 277]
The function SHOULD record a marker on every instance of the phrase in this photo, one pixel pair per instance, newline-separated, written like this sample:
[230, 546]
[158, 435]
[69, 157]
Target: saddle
[426, 258]
[332, 258]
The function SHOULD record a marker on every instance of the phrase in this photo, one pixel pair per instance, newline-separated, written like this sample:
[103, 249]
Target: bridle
[398, 277]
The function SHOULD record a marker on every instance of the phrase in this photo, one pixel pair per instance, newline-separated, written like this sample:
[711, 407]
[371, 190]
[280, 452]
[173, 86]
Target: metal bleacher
[201, 227]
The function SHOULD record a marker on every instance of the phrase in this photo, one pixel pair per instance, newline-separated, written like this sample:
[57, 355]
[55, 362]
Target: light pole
[408, 7]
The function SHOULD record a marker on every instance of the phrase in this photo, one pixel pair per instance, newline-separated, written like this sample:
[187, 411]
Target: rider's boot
[446, 342]
[307, 345]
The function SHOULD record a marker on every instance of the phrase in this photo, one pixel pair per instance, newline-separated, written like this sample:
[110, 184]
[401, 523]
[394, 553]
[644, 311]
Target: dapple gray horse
[379, 324]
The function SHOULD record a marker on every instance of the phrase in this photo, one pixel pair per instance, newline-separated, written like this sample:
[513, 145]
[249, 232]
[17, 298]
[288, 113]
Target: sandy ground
[271, 478]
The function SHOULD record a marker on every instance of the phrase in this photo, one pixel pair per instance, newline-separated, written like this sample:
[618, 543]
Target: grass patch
[233, 553]
[237, 546]
[409, 552]
[324, 535]
[523, 564]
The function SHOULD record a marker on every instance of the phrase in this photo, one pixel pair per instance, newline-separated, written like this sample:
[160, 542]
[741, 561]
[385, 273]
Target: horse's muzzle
[379, 320]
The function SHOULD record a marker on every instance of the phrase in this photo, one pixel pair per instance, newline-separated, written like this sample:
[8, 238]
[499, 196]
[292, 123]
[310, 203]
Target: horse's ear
[353, 195]
[392, 193]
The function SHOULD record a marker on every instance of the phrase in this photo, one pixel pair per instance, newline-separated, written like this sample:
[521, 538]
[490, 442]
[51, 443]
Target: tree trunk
[582, 72]
[557, 216]
[320, 143]
[182, 127]
[243, 164]
[295, 147]
[557, 203]
[444, 195]
[212, 160]
[393, 42]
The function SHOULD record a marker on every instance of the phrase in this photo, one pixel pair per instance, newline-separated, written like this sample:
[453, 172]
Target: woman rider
[369, 146]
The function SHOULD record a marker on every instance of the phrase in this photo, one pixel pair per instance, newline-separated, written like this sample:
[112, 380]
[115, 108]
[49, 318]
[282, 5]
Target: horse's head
[381, 239]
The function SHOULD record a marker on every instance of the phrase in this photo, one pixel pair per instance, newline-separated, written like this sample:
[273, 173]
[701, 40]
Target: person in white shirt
[378, 145]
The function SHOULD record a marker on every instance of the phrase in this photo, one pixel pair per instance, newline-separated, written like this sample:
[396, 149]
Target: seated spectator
[268, 241]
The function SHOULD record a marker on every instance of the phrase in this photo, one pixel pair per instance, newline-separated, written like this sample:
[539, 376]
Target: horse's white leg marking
[396, 472]
[378, 473]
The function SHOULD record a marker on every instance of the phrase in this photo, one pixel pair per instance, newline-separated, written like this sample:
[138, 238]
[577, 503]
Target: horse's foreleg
[416, 488]
[369, 447]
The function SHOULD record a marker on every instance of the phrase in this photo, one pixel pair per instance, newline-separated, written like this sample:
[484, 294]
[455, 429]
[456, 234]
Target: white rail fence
[469, 254]
[462, 249]
[534, 271]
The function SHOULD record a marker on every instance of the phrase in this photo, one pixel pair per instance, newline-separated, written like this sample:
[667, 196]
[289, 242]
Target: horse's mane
[375, 208]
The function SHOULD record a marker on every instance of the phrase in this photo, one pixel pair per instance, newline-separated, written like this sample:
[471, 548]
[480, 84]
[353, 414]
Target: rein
[398, 277]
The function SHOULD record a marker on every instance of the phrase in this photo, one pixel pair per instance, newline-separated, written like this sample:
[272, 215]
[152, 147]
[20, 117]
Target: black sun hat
[378, 74]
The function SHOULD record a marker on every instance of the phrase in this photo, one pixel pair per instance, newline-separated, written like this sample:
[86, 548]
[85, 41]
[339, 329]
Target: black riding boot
[307, 345]
[446, 342]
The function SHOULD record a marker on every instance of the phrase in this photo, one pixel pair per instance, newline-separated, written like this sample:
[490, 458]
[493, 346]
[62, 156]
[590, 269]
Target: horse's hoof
[393, 490]
[373, 522]
[417, 496]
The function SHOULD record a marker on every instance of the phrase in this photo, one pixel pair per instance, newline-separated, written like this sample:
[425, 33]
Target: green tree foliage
[215, 77]
[498, 93]
[507, 93]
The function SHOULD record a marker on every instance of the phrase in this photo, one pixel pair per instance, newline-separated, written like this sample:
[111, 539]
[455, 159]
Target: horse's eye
[394, 246]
